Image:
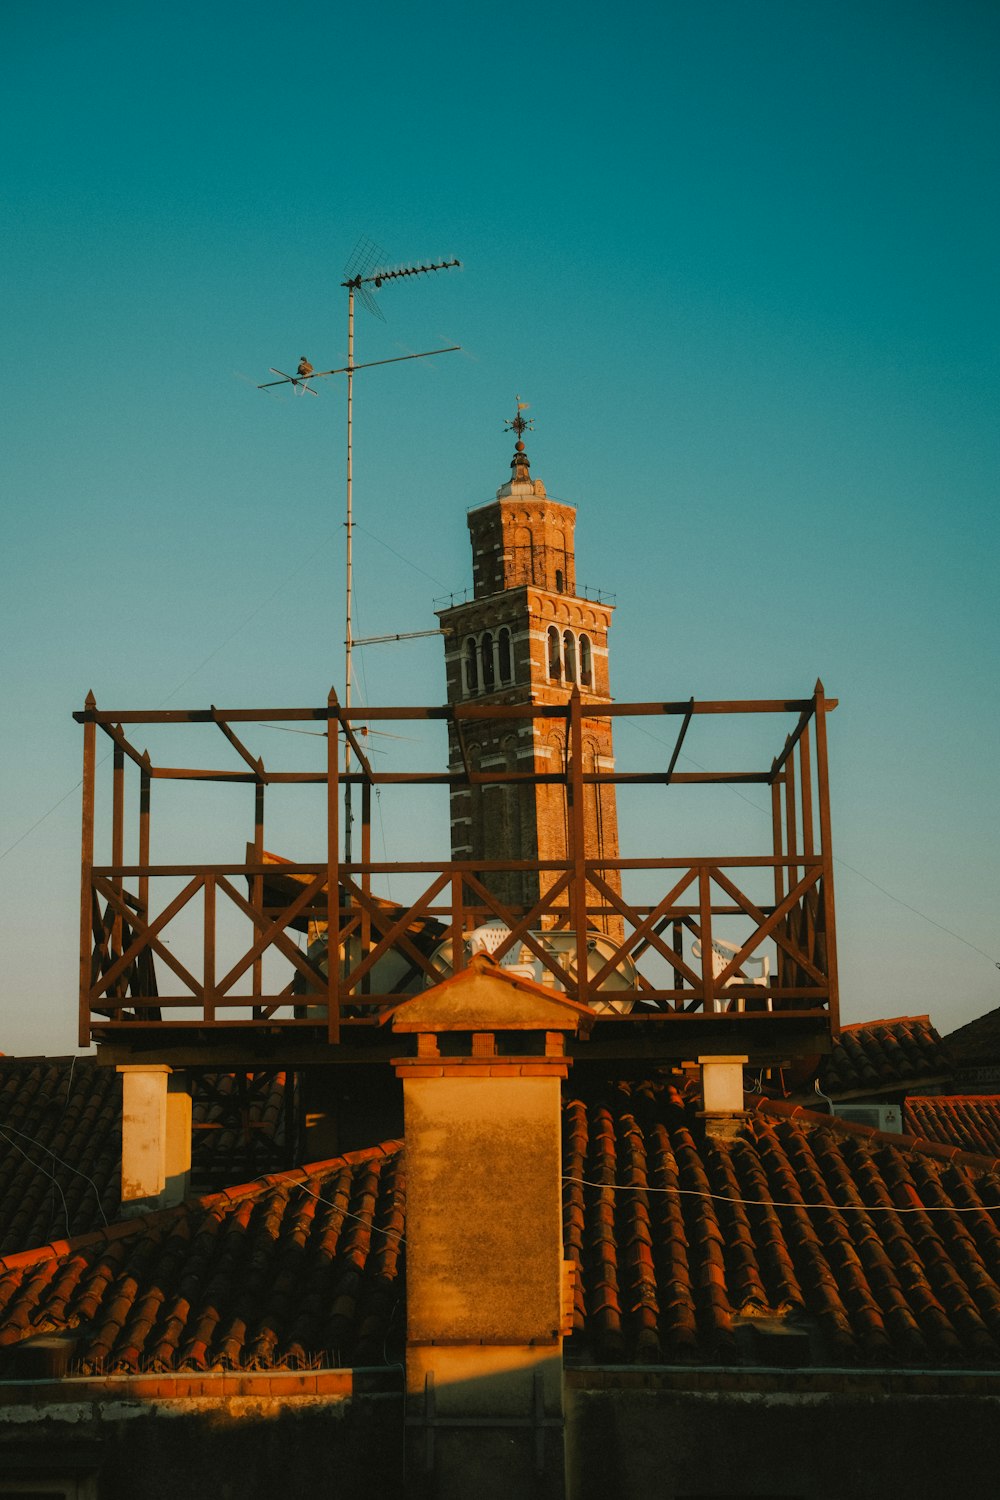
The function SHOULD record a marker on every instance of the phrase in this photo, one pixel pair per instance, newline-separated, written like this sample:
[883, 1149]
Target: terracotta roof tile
[825, 1236]
[239, 1126]
[291, 1270]
[884, 1249]
[970, 1121]
[60, 1142]
[60, 1148]
[880, 1056]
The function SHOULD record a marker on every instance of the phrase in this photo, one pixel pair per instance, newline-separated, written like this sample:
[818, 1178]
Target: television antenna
[365, 274]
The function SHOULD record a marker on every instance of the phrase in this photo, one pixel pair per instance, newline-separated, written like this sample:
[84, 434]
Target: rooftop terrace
[715, 952]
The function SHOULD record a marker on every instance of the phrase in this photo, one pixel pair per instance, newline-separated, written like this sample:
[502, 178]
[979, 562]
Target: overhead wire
[837, 859]
[309, 560]
[319, 734]
[39, 821]
[5, 1128]
[39, 1167]
[402, 556]
[862, 1208]
[183, 682]
[391, 1234]
[221, 647]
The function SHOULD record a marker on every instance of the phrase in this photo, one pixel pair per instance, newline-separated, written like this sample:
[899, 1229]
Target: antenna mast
[364, 278]
[361, 277]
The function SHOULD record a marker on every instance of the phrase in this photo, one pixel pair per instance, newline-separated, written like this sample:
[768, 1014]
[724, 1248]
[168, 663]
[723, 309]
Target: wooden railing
[218, 945]
[128, 978]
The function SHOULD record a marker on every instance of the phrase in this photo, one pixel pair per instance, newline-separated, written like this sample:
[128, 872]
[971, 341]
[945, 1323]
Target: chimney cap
[483, 997]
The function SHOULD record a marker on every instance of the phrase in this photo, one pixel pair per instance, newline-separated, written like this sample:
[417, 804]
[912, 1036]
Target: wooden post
[707, 952]
[145, 783]
[809, 904]
[208, 979]
[577, 843]
[332, 869]
[792, 924]
[777, 840]
[791, 826]
[257, 883]
[805, 794]
[678, 947]
[143, 967]
[87, 871]
[366, 879]
[118, 856]
[779, 877]
[826, 850]
[457, 922]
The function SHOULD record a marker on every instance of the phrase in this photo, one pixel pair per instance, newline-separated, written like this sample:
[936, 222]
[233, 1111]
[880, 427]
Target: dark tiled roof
[868, 1248]
[60, 1142]
[978, 1042]
[60, 1148]
[877, 1056]
[971, 1121]
[670, 1262]
[239, 1126]
[297, 1269]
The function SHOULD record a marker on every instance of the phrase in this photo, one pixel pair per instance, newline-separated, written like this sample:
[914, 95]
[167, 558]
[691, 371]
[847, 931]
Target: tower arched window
[569, 655]
[506, 674]
[554, 654]
[561, 557]
[586, 662]
[486, 654]
[471, 667]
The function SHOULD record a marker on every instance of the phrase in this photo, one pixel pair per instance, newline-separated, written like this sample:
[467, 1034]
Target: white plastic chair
[487, 939]
[723, 954]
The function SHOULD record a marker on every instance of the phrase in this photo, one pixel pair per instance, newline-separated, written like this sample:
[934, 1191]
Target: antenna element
[363, 273]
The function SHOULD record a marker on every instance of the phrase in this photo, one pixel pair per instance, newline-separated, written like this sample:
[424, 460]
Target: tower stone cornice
[508, 606]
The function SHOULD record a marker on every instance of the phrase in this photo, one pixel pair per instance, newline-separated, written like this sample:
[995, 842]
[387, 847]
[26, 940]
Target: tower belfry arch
[527, 637]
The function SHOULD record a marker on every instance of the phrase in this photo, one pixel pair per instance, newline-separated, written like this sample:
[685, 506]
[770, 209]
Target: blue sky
[741, 258]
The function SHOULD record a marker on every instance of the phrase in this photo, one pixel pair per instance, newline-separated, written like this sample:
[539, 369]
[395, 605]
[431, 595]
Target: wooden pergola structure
[678, 989]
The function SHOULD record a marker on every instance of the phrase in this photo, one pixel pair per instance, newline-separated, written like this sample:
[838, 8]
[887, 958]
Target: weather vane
[520, 424]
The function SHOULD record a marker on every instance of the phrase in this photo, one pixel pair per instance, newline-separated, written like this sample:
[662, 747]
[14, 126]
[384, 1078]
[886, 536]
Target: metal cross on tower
[520, 424]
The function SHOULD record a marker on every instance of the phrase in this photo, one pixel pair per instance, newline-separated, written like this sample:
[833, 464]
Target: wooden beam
[255, 763]
[680, 740]
[469, 710]
[114, 732]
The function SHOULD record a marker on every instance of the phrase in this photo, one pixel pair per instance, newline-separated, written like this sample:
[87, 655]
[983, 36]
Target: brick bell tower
[527, 637]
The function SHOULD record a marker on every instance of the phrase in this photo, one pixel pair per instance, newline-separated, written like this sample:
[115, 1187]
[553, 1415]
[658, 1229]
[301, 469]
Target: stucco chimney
[156, 1137]
[486, 1282]
[722, 1093]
